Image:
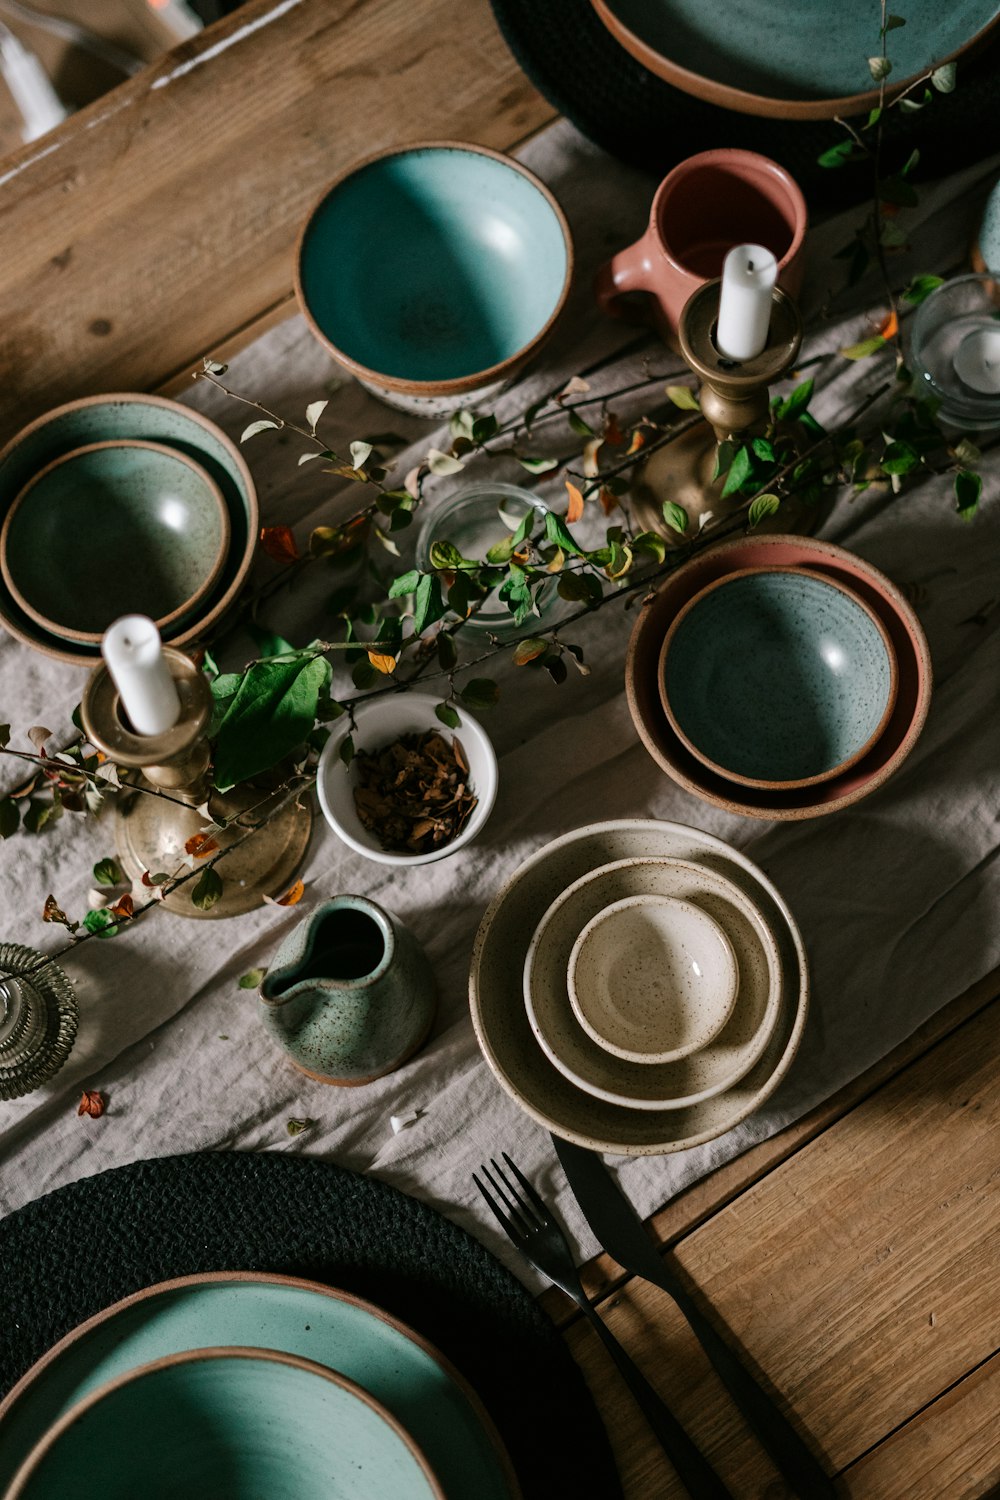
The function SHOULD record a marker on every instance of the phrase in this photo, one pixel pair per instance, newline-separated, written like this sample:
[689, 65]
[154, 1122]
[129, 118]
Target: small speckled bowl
[653, 1086]
[653, 979]
[777, 678]
[111, 529]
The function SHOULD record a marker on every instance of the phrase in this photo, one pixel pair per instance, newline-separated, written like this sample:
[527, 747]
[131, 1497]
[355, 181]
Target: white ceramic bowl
[379, 723]
[653, 1086]
[653, 978]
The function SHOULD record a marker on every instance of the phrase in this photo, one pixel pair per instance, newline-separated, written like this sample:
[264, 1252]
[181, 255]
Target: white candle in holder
[748, 276]
[134, 657]
[977, 359]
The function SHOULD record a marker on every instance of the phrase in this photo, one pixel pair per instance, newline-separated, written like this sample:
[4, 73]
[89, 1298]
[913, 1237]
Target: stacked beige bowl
[639, 987]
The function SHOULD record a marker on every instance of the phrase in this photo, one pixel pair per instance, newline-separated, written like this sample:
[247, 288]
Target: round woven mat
[79, 1249]
[575, 62]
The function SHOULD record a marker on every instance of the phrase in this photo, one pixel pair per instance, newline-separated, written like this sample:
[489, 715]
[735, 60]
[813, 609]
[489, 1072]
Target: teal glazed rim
[457, 385]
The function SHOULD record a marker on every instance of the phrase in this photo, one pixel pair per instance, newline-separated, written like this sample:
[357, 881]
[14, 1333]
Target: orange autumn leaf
[200, 844]
[382, 662]
[123, 908]
[613, 434]
[279, 542]
[638, 441]
[292, 896]
[574, 509]
[91, 1103]
[609, 501]
[890, 327]
[53, 912]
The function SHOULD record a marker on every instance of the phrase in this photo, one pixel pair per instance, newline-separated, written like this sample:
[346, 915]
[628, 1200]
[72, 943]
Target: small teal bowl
[233, 1423]
[434, 270]
[777, 678]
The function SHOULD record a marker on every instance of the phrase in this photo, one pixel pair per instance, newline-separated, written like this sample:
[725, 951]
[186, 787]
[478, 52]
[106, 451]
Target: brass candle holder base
[735, 404]
[151, 832]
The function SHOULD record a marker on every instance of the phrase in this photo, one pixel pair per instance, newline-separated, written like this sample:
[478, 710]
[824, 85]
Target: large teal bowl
[434, 270]
[777, 678]
[95, 419]
[231, 1424]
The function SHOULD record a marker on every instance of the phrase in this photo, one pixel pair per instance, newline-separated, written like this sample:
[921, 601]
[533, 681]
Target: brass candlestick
[735, 402]
[151, 832]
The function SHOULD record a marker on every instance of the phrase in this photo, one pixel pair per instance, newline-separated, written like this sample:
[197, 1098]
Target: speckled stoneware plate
[96, 419]
[400, 1369]
[501, 1020]
[666, 1085]
[234, 1423]
[807, 61]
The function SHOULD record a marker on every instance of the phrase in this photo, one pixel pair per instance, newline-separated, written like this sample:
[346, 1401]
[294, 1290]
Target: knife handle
[776, 1434]
[693, 1468]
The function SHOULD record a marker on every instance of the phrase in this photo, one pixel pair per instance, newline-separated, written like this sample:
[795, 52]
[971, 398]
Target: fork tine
[506, 1222]
[541, 1206]
[518, 1211]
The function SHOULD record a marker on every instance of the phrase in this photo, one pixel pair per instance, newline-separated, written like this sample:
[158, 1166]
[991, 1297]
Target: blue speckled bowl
[434, 270]
[233, 1423]
[776, 677]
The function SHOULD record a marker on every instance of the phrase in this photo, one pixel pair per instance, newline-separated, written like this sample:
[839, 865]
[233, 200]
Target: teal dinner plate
[233, 1424]
[399, 1369]
[777, 677]
[97, 419]
[806, 60]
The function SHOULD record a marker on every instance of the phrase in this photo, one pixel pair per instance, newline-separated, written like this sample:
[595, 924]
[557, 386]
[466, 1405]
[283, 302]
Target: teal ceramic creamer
[350, 994]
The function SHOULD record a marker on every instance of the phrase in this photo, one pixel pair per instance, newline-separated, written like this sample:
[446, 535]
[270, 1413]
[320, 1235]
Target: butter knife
[623, 1235]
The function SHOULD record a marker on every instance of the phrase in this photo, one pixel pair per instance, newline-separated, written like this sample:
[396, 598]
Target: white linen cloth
[896, 897]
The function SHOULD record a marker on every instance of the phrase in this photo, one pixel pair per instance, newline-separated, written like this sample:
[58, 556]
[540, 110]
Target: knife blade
[623, 1235]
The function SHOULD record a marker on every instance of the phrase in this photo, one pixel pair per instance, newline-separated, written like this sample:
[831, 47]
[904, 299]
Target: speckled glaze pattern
[143, 524]
[501, 1021]
[777, 678]
[653, 1086]
[988, 238]
[434, 270]
[652, 978]
[127, 416]
[234, 1423]
[827, 560]
[341, 1029]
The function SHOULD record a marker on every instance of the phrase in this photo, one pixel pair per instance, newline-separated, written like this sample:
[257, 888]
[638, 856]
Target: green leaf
[836, 156]
[251, 979]
[723, 458]
[675, 516]
[898, 191]
[4, 736]
[429, 605]
[447, 715]
[879, 68]
[683, 397]
[100, 923]
[579, 426]
[529, 649]
[580, 588]
[764, 450]
[10, 817]
[445, 555]
[558, 532]
[796, 401]
[483, 428]
[891, 235]
[943, 78]
[911, 161]
[866, 348]
[968, 488]
[481, 692]
[207, 890]
[254, 428]
[406, 583]
[446, 652]
[364, 675]
[296, 1127]
[650, 541]
[892, 22]
[270, 715]
[538, 465]
[346, 751]
[761, 508]
[501, 552]
[899, 458]
[874, 115]
[920, 289]
[39, 815]
[108, 872]
[966, 451]
[739, 472]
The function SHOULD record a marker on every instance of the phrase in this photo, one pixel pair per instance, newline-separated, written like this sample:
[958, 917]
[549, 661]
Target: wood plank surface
[861, 1277]
[163, 218]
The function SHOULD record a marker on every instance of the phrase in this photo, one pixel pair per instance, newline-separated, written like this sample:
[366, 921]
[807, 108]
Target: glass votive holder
[474, 520]
[38, 1019]
[955, 350]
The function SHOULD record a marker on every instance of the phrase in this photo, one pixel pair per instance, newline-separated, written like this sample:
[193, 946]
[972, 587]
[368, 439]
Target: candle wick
[750, 265]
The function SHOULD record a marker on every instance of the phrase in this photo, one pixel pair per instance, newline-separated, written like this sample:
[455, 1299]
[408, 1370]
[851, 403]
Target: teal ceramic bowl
[133, 416]
[777, 678]
[434, 270]
[236, 1424]
[116, 528]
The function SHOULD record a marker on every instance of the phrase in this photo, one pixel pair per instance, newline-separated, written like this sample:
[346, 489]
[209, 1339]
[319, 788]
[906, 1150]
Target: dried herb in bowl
[414, 793]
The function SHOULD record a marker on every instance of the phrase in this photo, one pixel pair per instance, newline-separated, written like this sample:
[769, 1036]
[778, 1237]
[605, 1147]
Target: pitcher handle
[631, 270]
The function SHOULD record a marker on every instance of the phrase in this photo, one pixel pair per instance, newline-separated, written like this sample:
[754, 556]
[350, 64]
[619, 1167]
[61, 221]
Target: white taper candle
[748, 276]
[134, 657]
[977, 360]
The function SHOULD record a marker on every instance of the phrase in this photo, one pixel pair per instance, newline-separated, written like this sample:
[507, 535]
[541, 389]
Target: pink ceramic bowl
[824, 558]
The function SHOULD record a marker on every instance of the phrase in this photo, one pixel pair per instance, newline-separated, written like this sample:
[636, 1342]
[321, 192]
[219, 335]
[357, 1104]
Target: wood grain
[861, 1277]
[161, 219]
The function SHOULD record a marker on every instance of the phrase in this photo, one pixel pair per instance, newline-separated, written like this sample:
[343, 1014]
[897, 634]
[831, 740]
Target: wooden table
[854, 1258]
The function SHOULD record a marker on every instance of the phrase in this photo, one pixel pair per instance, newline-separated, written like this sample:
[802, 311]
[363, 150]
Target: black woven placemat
[79, 1249]
[575, 62]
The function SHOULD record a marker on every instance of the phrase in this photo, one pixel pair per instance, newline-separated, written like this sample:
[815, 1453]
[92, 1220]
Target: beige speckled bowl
[687, 1080]
[501, 1021]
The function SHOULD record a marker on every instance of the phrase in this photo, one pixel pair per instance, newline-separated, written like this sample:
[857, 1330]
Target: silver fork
[530, 1225]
